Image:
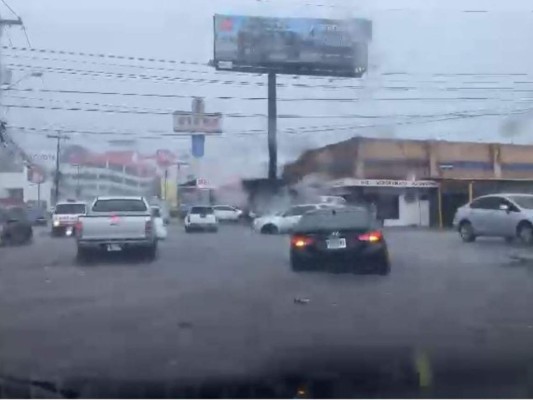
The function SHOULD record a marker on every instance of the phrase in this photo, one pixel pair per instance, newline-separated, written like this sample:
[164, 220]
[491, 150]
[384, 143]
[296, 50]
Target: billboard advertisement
[300, 46]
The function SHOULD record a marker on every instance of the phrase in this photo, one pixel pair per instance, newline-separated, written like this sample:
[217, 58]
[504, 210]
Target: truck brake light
[148, 227]
[78, 228]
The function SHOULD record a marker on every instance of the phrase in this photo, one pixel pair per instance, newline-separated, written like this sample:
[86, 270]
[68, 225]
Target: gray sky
[416, 38]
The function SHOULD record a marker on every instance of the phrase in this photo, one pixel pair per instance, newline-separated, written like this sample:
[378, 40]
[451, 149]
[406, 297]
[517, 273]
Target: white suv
[201, 218]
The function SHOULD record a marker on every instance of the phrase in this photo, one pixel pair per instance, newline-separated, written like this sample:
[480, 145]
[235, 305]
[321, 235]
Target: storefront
[396, 202]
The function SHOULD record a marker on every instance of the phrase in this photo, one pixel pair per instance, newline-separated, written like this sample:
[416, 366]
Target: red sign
[35, 175]
[165, 158]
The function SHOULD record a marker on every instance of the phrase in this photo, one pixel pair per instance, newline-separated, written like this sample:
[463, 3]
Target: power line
[102, 55]
[159, 79]
[200, 64]
[10, 9]
[147, 111]
[255, 98]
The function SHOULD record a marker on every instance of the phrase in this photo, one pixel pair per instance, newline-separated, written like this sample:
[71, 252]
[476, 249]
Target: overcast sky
[403, 94]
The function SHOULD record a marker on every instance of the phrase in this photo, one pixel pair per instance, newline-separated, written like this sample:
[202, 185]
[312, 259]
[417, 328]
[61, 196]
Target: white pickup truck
[117, 224]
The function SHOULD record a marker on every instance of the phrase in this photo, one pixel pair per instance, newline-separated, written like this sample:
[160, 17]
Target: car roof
[70, 202]
[504, 195]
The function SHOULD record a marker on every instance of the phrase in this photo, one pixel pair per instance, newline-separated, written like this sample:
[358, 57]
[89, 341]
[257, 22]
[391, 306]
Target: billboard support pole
[272, 128]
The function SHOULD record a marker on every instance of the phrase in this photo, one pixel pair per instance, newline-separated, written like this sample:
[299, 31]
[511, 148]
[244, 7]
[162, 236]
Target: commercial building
[414, 182]
[86, 174]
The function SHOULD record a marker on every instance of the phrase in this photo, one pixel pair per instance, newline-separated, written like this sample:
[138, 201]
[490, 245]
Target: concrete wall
[415, 213]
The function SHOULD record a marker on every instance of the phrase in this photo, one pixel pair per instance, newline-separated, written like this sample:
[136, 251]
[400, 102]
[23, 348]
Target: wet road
[224, 303]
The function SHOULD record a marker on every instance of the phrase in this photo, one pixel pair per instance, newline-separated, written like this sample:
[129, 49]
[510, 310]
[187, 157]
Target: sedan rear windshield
[202, 210]
[336, 219]
[120, 205]
[523, 201]
[74, 208]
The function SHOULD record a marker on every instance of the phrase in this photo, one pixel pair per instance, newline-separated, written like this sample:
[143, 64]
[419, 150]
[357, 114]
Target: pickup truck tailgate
[116, 227]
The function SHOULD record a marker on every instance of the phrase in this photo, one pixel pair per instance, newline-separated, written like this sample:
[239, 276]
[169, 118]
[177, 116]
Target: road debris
[301, 300]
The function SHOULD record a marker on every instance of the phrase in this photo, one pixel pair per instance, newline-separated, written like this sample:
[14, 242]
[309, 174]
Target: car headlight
[56, 222]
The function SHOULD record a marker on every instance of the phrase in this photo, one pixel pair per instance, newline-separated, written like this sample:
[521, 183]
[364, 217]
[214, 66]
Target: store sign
[384, 183]
[201, 183]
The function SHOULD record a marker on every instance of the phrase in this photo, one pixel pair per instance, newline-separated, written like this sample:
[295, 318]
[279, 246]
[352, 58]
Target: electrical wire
[205, 65]
[10, 8]
[159, 79]
[149, 111]
[255, 98]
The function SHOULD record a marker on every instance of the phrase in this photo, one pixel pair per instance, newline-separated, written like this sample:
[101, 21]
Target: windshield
[70, 208]
[247, 123]
[119, 205]
[523, 201]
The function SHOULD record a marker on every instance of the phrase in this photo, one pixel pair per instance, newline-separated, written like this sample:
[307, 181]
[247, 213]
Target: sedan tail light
[301, 241]
[372, 237]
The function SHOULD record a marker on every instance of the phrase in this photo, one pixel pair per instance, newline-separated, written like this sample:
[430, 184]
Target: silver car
[503, 215]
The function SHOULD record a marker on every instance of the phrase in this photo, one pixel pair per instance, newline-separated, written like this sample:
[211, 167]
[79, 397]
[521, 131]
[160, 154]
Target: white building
[15, 185]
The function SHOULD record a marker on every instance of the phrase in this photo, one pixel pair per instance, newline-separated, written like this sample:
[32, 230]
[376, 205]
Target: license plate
[113, 247]
[336, 243]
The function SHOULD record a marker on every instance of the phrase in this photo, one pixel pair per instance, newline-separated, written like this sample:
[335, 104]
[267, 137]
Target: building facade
[415, 182]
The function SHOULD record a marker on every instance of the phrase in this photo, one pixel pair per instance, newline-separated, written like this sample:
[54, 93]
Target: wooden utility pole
[57, 173]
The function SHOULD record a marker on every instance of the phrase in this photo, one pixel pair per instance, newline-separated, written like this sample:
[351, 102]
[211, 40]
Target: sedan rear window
[336, 219]
[120, 205]
[73, 208]
[201, 210]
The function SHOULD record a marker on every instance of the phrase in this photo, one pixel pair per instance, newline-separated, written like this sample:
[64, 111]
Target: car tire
[269, 229]
[297, 263]
[466, 232]
[382, 264]
[83, 255]
[525, 232]
[150, 253]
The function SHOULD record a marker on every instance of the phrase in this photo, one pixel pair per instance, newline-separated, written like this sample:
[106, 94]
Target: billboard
[300, 46]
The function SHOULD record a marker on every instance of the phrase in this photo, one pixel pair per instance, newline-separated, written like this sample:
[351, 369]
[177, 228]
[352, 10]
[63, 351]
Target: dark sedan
[343, 239]
[15, 226]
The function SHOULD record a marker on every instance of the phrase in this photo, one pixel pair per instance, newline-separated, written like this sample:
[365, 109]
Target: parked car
[201, 218]
[227, 213]
[508, 216]
[15, 227]
[114, 224]
[343, 239]
[283, 222]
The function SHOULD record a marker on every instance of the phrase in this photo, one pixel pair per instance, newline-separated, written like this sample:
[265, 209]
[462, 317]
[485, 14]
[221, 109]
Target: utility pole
[272, 128]
[57, 178]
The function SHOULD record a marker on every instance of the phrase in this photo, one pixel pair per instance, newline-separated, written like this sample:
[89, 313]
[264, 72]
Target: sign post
[197, 124]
